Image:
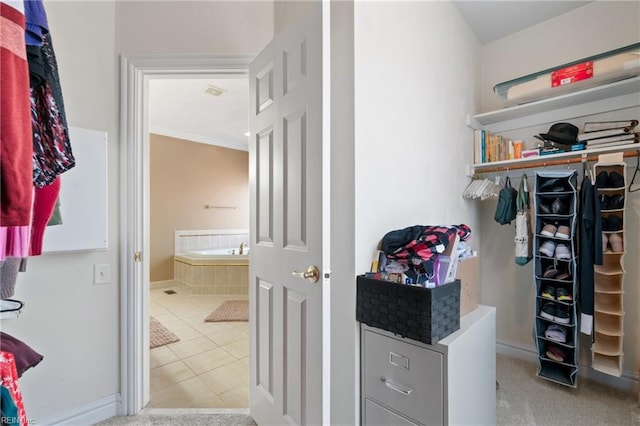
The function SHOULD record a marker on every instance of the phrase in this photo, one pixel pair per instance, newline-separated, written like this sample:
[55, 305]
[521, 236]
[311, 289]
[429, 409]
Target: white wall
[193, 27]
[73, 323]
[415, 67]
[415, 79]
[563, 39]
[595, 28]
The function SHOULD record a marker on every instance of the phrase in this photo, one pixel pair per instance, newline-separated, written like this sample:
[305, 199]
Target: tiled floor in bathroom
[209, 366]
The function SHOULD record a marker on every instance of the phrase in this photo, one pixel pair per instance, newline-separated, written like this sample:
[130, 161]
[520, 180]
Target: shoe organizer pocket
[611, 200]
[613, 243]
[610, 266]
[559, 230]
[612, 221]
[546, 336]
[555, 185]
[563, 354]
[564, 374]
[608, 363]
[555, 205]
[609, 303]
[550, 269]
[610, 324]
[610, 177]
[608, 283]
[607, 345]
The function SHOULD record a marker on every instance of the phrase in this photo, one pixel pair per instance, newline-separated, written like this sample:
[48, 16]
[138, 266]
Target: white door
[285, 155]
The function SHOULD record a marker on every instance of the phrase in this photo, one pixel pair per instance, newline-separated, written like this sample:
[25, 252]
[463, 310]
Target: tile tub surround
[185, 241]
[221, 275]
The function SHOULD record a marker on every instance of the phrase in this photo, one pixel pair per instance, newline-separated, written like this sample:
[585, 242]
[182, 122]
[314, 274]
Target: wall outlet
[101, 274]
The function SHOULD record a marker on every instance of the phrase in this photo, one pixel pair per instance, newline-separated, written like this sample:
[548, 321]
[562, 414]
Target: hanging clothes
[16, 142]
[590, 250]
[9, 379]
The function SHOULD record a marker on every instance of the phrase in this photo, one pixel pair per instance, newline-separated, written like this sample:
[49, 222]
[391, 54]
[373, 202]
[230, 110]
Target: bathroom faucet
[242, 246]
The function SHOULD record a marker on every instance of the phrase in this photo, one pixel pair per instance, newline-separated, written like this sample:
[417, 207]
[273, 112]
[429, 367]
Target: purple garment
[24, 355]
[36, 22]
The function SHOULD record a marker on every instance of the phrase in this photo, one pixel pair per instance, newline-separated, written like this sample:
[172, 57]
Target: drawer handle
[395, 387]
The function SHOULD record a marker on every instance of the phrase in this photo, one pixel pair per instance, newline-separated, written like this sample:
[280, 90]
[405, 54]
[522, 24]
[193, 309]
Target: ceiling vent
[213, 90]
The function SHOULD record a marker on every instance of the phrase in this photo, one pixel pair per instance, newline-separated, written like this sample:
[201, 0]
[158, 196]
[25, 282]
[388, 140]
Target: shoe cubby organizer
[610, 181]
[555, 268]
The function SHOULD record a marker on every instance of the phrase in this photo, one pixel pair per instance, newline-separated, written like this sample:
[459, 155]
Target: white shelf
[522, 162]
[617, 95]
[614, 96]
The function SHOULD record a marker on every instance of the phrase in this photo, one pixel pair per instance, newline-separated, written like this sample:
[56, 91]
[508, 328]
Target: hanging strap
[522, 200]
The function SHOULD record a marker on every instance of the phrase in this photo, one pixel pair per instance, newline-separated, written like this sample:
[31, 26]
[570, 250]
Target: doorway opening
[136, 301]
[199, 238]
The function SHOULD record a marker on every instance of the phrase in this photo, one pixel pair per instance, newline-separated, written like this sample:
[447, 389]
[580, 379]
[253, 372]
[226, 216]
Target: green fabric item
[56, 217]
[9, 408]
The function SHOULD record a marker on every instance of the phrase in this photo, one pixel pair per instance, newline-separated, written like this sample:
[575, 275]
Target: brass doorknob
[312, 274]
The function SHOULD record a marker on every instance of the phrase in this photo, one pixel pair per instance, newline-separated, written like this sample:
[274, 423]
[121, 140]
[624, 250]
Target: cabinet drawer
[404, 376]
[375, 415]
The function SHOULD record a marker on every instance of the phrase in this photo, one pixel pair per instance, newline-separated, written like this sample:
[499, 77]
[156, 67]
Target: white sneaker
[563, 252]
[547, 248]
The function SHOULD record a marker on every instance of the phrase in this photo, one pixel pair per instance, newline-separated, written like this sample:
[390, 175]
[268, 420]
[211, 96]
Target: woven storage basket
[424, 314]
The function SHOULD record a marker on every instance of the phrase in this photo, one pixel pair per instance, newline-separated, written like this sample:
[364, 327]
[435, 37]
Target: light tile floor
[209, 366]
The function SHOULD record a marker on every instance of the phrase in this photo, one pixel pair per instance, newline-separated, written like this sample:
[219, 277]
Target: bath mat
[159, 335]
[231, 310]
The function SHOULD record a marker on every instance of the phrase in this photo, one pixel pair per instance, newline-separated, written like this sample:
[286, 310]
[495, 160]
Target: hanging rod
[551, 162]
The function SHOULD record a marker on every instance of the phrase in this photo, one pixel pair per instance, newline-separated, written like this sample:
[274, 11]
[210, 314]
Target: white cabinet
[406, 382]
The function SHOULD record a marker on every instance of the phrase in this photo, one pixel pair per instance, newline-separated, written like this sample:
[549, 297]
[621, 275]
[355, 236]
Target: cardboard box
[467, 273]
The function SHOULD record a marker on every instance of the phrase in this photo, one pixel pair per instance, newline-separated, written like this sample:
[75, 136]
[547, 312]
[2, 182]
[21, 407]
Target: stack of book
[488, 147]
[600, 134]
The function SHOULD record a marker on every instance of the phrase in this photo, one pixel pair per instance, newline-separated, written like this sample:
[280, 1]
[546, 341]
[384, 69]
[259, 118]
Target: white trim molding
[86, 414]
[135, 73]
[627, 382]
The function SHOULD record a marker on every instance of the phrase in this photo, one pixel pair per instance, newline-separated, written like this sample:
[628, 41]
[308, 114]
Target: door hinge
[137, 257]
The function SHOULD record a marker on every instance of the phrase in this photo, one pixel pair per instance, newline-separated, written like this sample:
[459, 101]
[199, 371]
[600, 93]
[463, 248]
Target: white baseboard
[628, 382]
[86, 414]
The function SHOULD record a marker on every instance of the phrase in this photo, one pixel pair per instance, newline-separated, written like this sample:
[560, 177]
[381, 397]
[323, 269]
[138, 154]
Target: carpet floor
[522, 399]
[194, 417]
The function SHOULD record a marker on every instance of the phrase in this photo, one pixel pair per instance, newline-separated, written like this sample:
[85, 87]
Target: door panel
[264, 326]
[285, 155]
[295, 160]
[264, 186]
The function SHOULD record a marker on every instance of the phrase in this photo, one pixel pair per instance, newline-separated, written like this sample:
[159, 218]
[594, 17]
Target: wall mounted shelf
[614, 96]
[631, 150]
[618, 95]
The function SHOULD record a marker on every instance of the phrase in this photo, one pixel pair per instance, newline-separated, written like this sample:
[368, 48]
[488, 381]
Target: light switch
[101, 274]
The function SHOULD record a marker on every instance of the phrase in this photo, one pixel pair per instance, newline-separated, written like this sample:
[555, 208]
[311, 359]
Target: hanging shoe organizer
[555, 206]
[606, 350]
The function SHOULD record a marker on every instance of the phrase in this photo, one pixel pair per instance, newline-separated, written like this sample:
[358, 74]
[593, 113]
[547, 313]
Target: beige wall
[186, 176]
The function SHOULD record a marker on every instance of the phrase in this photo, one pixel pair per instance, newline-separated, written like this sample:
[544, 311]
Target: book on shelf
[600, 134]
[617, 138]
[625, 125]
[618, 143]
[488, 147]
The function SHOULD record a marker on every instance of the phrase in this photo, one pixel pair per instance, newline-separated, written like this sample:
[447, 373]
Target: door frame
[135, 73]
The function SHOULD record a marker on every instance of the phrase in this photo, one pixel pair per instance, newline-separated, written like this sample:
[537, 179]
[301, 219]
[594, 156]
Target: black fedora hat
[564, 133]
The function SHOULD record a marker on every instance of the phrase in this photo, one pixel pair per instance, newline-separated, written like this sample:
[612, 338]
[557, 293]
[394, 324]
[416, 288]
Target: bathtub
[219, 252]
[213, 271]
